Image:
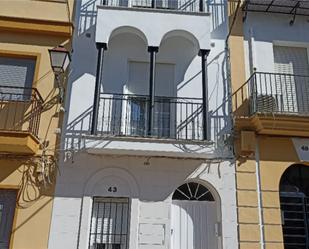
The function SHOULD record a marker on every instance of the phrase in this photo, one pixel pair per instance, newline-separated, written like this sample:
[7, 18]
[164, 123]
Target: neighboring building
[29, 117]
[270, 47]
[148, 159]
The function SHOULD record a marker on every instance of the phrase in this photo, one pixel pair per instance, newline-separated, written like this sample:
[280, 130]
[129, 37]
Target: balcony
[274, 104]
[175, 5]
[127, 115]
[20, 111]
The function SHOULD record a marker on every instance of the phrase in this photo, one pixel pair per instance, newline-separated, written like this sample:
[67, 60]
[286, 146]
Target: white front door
[194, 225]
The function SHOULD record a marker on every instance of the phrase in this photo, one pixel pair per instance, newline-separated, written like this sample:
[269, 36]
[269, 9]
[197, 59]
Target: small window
[109, 223]
[193, 191]
[16, 78]
[7, 210]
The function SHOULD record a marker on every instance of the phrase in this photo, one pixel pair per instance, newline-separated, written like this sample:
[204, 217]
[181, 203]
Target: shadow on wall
[84, 47]
[143, 171]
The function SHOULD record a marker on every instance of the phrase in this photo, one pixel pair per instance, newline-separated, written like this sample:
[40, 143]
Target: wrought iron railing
[179, 5]
[20, 109]
[127, 115]
[274, 93]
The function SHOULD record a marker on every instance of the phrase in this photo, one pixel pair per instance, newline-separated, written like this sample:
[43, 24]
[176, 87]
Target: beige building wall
[28, 29]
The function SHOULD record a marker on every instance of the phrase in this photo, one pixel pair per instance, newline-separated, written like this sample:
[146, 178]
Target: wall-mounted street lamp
[60, 59]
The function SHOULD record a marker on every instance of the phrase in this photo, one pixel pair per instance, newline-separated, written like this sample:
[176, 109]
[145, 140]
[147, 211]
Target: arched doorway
[194, 218]
[294, 202]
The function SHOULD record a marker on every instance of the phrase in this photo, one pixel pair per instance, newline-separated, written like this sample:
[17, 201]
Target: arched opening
[294, 202]
[179, 113]
[194, 220]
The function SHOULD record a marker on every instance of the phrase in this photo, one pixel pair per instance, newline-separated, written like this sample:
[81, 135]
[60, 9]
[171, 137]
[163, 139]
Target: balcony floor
[18, 143]
[275, 124]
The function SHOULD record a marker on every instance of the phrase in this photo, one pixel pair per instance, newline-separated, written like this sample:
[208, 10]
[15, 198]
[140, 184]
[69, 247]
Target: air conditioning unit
[266, 104]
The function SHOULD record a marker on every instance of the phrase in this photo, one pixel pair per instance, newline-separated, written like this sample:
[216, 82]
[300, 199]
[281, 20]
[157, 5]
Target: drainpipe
[252, 54]
[259, 192]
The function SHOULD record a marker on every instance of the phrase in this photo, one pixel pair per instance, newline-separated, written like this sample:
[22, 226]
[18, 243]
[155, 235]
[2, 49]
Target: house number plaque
[112, 189]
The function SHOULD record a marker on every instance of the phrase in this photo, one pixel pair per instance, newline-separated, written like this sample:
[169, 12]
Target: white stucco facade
[264, 31]
[147, 171]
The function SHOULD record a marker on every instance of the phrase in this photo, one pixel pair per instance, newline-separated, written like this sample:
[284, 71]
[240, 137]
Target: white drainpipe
[259, 192]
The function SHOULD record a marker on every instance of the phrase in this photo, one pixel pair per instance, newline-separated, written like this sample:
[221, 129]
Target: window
[16, 78]
[138, 84]
[7, 209]
[292, 81]
[138, 117]
[294, 200]
[109, 223]
[193, 191]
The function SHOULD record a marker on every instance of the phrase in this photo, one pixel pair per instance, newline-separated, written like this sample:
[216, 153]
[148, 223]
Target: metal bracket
[245, 9]
[295, 12]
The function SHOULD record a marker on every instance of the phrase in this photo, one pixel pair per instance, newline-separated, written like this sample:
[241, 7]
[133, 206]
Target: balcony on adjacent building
[273, 103]
[288, 7]
[20, 112]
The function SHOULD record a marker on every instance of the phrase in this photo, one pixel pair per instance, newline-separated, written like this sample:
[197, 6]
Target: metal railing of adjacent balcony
[127, 115]
[179, 5]
[297, 7]
[20, 109]
[273, 93]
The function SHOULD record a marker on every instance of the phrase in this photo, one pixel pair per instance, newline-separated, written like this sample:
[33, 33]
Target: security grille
[109, 223]
[295, 217]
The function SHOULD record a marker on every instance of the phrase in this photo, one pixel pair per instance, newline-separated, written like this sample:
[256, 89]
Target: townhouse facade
[148, 159]
[270, 68]
[29, 116]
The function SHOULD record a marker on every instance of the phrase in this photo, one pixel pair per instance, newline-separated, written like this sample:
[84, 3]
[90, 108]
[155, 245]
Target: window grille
[295, 214]
[294, 201]
[109, 223]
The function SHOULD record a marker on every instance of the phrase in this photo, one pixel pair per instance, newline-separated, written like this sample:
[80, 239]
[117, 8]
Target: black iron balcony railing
[127, 115]
[20, 109]
[179, 5]
[275, 93]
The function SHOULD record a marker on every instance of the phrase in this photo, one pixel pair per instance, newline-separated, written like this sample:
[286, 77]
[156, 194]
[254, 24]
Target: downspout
[230, 104]
[259, 192]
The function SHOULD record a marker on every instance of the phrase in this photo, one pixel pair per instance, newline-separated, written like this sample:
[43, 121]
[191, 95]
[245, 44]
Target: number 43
[112, 189]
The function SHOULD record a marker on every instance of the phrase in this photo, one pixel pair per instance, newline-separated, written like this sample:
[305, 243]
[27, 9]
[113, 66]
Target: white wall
[150, 187]
[174, 50]
[93, 164]
[269, 29]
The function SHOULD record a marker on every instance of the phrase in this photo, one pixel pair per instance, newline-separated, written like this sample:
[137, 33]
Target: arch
[128, 29]
[181, 33]
[295, 179]
[107, 173]
[195, 216]
[193, 191]
[294, 203]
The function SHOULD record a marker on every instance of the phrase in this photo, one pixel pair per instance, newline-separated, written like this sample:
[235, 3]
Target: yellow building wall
[60, 10]
[35, 197]
[276, 154]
